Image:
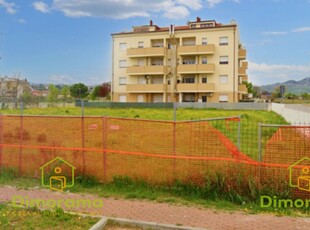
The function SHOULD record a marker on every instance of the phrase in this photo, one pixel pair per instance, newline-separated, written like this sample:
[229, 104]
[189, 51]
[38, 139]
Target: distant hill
[291, 86]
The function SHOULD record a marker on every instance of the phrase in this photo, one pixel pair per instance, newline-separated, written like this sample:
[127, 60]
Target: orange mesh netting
[155, 151]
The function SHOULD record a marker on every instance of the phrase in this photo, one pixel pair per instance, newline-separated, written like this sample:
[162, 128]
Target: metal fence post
[83, 140]
[21, 130]
[104, 145]
[82, 105]
[174, 138]
[1, 138]
[239, 133]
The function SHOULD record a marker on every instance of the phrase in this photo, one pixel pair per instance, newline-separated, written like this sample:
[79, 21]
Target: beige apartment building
[203, 61]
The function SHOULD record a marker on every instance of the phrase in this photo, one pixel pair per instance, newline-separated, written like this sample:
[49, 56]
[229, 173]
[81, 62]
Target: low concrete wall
[228, 106]
[232, 106]
[293, 113]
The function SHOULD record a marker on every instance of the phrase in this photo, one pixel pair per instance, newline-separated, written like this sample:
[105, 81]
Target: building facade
[12, 89]
[203, 61]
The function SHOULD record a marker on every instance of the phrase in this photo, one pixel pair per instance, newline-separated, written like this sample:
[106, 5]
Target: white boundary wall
[295, 114]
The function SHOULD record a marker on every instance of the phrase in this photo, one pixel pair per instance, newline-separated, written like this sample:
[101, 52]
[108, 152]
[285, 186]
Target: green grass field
[33, 218]
[154, 114]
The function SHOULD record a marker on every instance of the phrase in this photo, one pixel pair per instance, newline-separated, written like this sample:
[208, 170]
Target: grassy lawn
[32, 218]
[155, 114]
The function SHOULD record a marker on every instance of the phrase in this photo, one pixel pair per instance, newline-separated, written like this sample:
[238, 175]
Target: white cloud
[192, 4]
[301, 29]
[41, 6]
[263, 74]
[177, 12]
[9, 7]
[22, 21]
[121, 9]
[275, 33]
[212, 3]
[61, 79]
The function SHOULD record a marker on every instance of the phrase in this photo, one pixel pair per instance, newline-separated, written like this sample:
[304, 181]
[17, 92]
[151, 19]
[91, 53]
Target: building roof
[151, 28]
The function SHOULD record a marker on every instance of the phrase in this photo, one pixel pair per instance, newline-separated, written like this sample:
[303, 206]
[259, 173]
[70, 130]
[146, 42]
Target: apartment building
[202, 61]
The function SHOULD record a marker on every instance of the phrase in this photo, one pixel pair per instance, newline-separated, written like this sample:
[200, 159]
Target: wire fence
[248, 156]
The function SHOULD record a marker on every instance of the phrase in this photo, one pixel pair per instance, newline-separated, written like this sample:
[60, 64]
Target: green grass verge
[33, 218]
[214, 193]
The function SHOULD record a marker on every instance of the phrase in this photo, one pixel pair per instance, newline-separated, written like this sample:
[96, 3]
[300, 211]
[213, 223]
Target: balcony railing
[144, 70]
[244, 64]
[199, 49]
[199, 68]
[242, 53]
[146, 52]
[196, 87]
[145, 88]
[242, 88]
[242, 71]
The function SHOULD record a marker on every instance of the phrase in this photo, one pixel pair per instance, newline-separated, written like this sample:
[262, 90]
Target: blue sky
[69, 41]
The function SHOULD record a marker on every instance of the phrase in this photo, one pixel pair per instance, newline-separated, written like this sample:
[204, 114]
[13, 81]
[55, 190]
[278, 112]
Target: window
[206, 25]
[189, 61]
[223, 98]
[140, 62]
[223, 79]
[140, 98]
[204, 80]
[142, 80]
[188, 80]
[223, 59]
[204, 41]
[204, 60]
[123, 80]
[122, 63]
[223, 41]
[122, 46]
[204, 98]
[189, 41]
[193, 26]
[140, 44]
[122, 98]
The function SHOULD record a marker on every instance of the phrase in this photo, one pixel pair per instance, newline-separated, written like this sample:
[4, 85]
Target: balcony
[148, 88]
[193, 68]
[242, 88]
[242, 53]
[244, 78]
[244, 64]
[200, 49]
[146, 52]
[146, 70]
[242, 71]
[198, 87]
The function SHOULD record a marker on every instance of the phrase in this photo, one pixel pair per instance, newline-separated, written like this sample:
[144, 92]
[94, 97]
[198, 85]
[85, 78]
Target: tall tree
[95, 92]
[65, 91]
[105, 90]
[52, 94]
[79, 90]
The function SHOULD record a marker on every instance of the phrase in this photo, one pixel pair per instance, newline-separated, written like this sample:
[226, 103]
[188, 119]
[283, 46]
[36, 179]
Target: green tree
[95, 92]
[65, 91]
[52, 95]
[249, 86]
[79, 90]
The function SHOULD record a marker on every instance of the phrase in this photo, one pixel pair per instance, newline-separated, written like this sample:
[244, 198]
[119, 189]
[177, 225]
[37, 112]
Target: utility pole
[174, 63]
